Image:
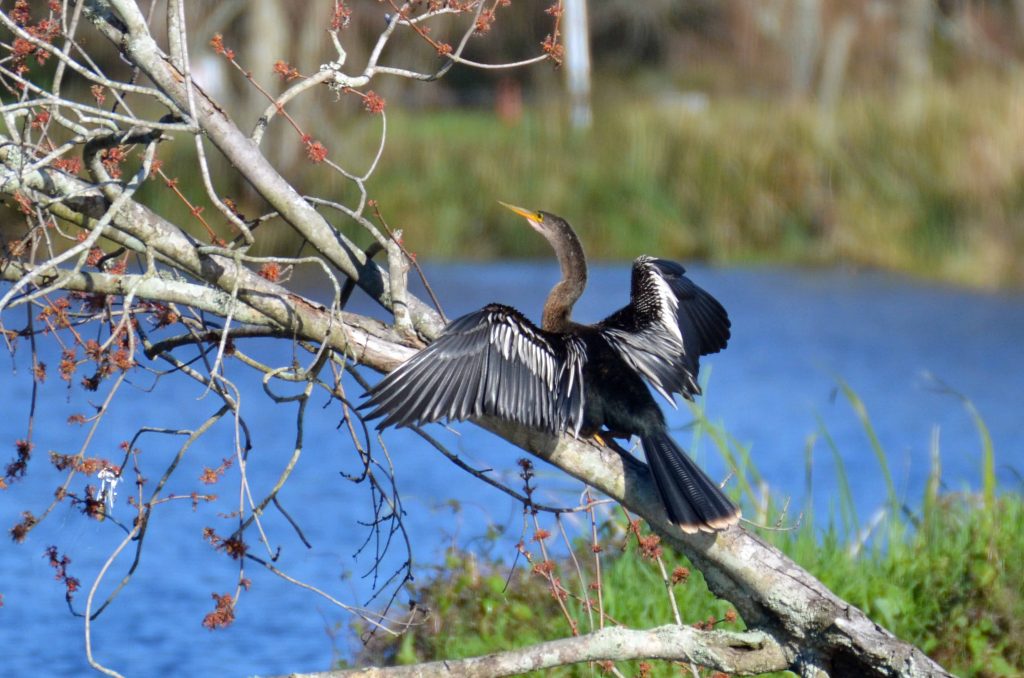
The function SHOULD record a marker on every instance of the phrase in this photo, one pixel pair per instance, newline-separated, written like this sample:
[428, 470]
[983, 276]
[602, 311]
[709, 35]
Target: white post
[577, 61]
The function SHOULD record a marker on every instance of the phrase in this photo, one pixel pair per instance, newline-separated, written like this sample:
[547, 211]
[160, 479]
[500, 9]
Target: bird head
[545, 223]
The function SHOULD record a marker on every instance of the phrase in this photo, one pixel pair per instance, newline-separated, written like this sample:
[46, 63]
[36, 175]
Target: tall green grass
[944, 573]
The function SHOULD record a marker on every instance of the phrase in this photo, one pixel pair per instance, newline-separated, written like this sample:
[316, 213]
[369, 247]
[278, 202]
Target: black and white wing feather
[492, 362]
[669, 323]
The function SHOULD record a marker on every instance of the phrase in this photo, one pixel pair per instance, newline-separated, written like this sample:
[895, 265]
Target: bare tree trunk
[577, 63]
[267, 37]
[837, 56]
[804, 44]
[917, 18]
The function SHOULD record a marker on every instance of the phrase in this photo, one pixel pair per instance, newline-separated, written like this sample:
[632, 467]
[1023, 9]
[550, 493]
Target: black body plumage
[586, 379]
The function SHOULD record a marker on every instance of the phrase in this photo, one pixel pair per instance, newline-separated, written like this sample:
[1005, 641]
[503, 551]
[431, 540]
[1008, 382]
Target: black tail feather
[693, 501]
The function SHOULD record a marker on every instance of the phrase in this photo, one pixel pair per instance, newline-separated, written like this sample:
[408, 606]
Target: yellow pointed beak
[528, 214]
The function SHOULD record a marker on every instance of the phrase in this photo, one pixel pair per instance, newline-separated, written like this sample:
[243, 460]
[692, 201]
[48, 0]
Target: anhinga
[587, 379]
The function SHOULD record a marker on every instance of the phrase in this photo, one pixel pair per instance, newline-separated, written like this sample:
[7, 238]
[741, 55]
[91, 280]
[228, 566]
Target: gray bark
[736, 653]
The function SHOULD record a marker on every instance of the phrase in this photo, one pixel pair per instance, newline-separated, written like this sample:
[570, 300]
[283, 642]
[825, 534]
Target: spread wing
[490, 362]
[669, 323]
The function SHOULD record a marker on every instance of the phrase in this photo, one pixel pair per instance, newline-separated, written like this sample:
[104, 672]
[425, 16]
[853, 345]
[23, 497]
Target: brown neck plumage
[558, 307]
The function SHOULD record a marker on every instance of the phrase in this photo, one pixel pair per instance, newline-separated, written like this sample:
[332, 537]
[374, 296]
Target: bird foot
[606, 439]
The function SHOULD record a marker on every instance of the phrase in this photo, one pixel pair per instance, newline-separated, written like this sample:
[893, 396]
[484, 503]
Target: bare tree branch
[736, 653]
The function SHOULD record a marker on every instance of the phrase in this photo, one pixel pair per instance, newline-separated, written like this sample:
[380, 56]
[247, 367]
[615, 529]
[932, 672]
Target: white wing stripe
[669, 307]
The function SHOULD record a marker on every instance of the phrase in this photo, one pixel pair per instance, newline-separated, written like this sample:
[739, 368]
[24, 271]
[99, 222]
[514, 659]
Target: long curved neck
[558, 307]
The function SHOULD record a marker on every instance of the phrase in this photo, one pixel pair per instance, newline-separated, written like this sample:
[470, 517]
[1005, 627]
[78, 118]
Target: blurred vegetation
[944, 575]
[920, 183]
[930, 183]
[812, 132]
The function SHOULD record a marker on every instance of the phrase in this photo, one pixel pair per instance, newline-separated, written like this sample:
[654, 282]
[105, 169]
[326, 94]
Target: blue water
[794, 334]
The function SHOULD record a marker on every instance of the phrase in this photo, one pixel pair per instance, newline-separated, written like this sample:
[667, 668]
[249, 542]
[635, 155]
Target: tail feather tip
[710, 526]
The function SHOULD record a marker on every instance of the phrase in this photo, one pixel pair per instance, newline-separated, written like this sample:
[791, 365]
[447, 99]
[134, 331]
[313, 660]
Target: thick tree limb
[736, 653]
[140, 229]
[149, 287]
[358, 337]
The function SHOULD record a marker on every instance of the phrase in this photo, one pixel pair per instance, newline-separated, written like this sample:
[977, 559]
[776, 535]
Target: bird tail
[693, 501]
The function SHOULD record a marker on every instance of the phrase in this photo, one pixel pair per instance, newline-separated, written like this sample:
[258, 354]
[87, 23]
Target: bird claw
[606, 439]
